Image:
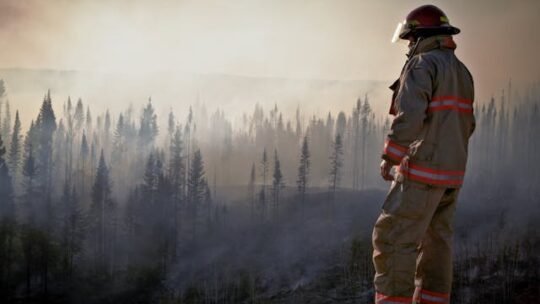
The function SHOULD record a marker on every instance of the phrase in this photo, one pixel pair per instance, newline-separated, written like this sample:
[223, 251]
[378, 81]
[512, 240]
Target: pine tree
[7, 208]
[7, 222]
[195, 188]
[78, 116]
[176, 164]
[356, 136]
[251, 190]
[177, 178]
[148, 129]
[46, 127]
[277, 183]
[83, 161]
[14, 159]
[30, 140]
[30, 171]
[150, 180]
[88, 119]
[298, 123]
[171, 128]
[341, 124]
[303, 170]
[6, 124]
[207, 201]
[119, 140]
[336, 163]
[264, 174]
[100, 209]
[364, 113]
[107, 129]
[73, 229]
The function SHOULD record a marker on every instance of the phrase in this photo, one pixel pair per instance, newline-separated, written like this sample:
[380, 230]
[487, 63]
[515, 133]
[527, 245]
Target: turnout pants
[412, 241]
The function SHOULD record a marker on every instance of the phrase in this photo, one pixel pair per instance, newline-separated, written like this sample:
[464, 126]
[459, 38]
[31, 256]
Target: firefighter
[433, 106]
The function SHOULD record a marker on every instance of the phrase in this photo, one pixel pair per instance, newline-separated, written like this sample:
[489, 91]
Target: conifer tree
[171, 125]
[46, 127]
[195, 188]
[251, 190]
[30, 171]
[107, 129]
[72, 228]
[176, 164]
[78, 116]
[264, 174]
[277, 182]
[364, 113]
[6, 124]
[303, 170]
[7, 222]
[336, 163]
[7, 208]
[356, 138]
[177, 179]
[148, 129]
[15, 152]
[88, 119]
[100, 209]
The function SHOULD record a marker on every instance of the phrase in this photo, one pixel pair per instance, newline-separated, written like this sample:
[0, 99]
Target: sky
[304, 39]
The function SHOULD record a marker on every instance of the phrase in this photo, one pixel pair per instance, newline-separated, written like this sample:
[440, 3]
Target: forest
[129, 207]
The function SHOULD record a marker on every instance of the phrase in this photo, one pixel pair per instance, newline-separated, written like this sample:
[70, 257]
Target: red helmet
[424, 21]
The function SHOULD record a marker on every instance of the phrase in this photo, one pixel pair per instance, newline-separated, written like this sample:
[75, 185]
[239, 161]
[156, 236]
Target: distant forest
[134, 208]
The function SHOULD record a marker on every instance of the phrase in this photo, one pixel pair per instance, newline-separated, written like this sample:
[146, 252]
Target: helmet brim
[426, 31]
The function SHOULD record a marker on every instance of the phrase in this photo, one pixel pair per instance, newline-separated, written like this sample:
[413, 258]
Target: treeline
[115, 201]
[104, 200]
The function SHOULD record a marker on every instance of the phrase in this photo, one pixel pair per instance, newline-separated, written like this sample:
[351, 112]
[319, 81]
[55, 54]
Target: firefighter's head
[423, 22]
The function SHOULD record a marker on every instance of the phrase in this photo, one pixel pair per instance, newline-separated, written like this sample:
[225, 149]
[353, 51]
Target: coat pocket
[422, 151]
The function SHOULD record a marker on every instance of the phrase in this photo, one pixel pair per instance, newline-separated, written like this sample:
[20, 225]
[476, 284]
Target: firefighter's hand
[386, 167]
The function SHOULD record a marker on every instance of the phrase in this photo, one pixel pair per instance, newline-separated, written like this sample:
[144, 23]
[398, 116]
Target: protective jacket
[433, 104]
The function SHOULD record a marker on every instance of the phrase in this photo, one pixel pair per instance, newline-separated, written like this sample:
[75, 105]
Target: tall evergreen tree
[356, 139]
[119, 140]
[176, 164]
[251, 190]
[78, 116]
[195, 188]
[177, 176]
[73, 229]
[30, 172]
[46, 127]
[100, 210]
[7, 207]
[264, 174]
[88, 119]
[341, 124]
[148, 129]
[6, 124]
[15, 153]
[364, 113]
[277, 183]
[150, 184]
[7, 223]
[171, 126]
[336, 163]
[303, 170]
[107, 129]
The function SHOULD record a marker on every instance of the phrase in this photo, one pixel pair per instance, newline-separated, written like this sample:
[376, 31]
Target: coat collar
[434, 42]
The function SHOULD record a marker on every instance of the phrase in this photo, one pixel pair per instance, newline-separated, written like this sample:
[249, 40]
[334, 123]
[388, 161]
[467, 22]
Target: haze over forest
[228, 152]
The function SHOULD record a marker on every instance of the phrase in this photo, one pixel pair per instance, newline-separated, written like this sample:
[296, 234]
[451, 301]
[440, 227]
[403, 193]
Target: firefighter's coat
[412, 238]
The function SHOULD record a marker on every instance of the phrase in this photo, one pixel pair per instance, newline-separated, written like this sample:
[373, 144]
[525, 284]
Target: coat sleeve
[412, 101]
